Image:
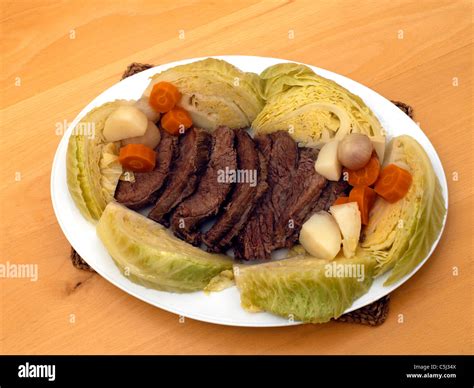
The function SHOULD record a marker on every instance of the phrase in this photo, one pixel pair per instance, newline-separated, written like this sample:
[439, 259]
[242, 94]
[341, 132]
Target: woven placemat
[373, 314]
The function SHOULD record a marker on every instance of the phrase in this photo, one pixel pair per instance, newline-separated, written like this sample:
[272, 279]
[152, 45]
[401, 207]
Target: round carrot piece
[137, 158]
[393, 183]
[365, 198]
[367, 175]
[176, 121]
[164, 96]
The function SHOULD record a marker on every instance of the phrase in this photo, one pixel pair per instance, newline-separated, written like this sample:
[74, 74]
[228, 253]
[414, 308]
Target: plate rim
[205, 318]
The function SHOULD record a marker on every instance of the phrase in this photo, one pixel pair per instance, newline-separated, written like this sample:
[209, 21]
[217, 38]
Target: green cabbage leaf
[151, 255]
[215, 93]
[311, 108]
[400, 235]
[304, 288]
[91, 162]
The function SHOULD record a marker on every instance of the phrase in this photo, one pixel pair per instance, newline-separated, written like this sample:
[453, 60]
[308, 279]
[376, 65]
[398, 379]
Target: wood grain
[57, 56]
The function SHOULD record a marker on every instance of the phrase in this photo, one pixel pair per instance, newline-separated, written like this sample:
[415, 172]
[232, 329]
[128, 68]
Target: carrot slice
[176, 121]
[365, 198]
[164, 96]
[367, 175]
[137, 158]
[393, 183]
[341, 200]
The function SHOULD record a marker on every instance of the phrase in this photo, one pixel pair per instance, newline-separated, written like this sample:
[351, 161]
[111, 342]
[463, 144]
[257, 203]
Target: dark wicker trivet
[407, 109]
[135, 68]
[79, 262]
[373, 314]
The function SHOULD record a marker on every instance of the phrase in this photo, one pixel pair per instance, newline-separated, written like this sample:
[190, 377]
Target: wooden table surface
[57, 56]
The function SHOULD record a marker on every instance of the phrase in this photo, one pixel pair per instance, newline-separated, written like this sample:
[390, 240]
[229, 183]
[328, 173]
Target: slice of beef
[319, 195]
[245, 196]
[144, 190]
[331, 192]
[307, 187]
[194, 148]
[211, 191]
[258, 237]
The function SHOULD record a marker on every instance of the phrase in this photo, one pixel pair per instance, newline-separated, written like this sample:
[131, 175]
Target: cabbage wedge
[92, 164]
[313, 109]
[401, 234]
[215, 93]
[149, 254]
[304, 288]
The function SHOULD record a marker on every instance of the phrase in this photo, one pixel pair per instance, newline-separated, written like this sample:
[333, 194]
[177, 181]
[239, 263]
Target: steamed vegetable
[176, 121]
[364, 196]
[222, 281]
[313, 109]
[283, 76]
[354, 151]
[393, 184]
[215, 93]
[137, 158]
[400, 235]
[127, 176]
[304, 288]
[348, 219]
[341, 200]
[327, 164]
[320, 236]
[144, 105]
[151, 138]
[124, 122]
[367, 175]
[110, 170]
[149, 254]
[88, 182]
[379, 145]
[164, 96]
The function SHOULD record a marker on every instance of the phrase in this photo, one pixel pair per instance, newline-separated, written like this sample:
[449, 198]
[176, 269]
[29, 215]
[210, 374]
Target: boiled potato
[151, 138]
[125, 122]
[145, 107]
[320, 236]
[379, 146]
[348, 219]
[328, 164]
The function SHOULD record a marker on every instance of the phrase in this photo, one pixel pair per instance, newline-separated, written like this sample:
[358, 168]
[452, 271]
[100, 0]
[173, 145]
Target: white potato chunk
[379, 146]
[146, 108]
[124, 122]
[348, 219]
[151, 138]
[320, 236]
[328, 164]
